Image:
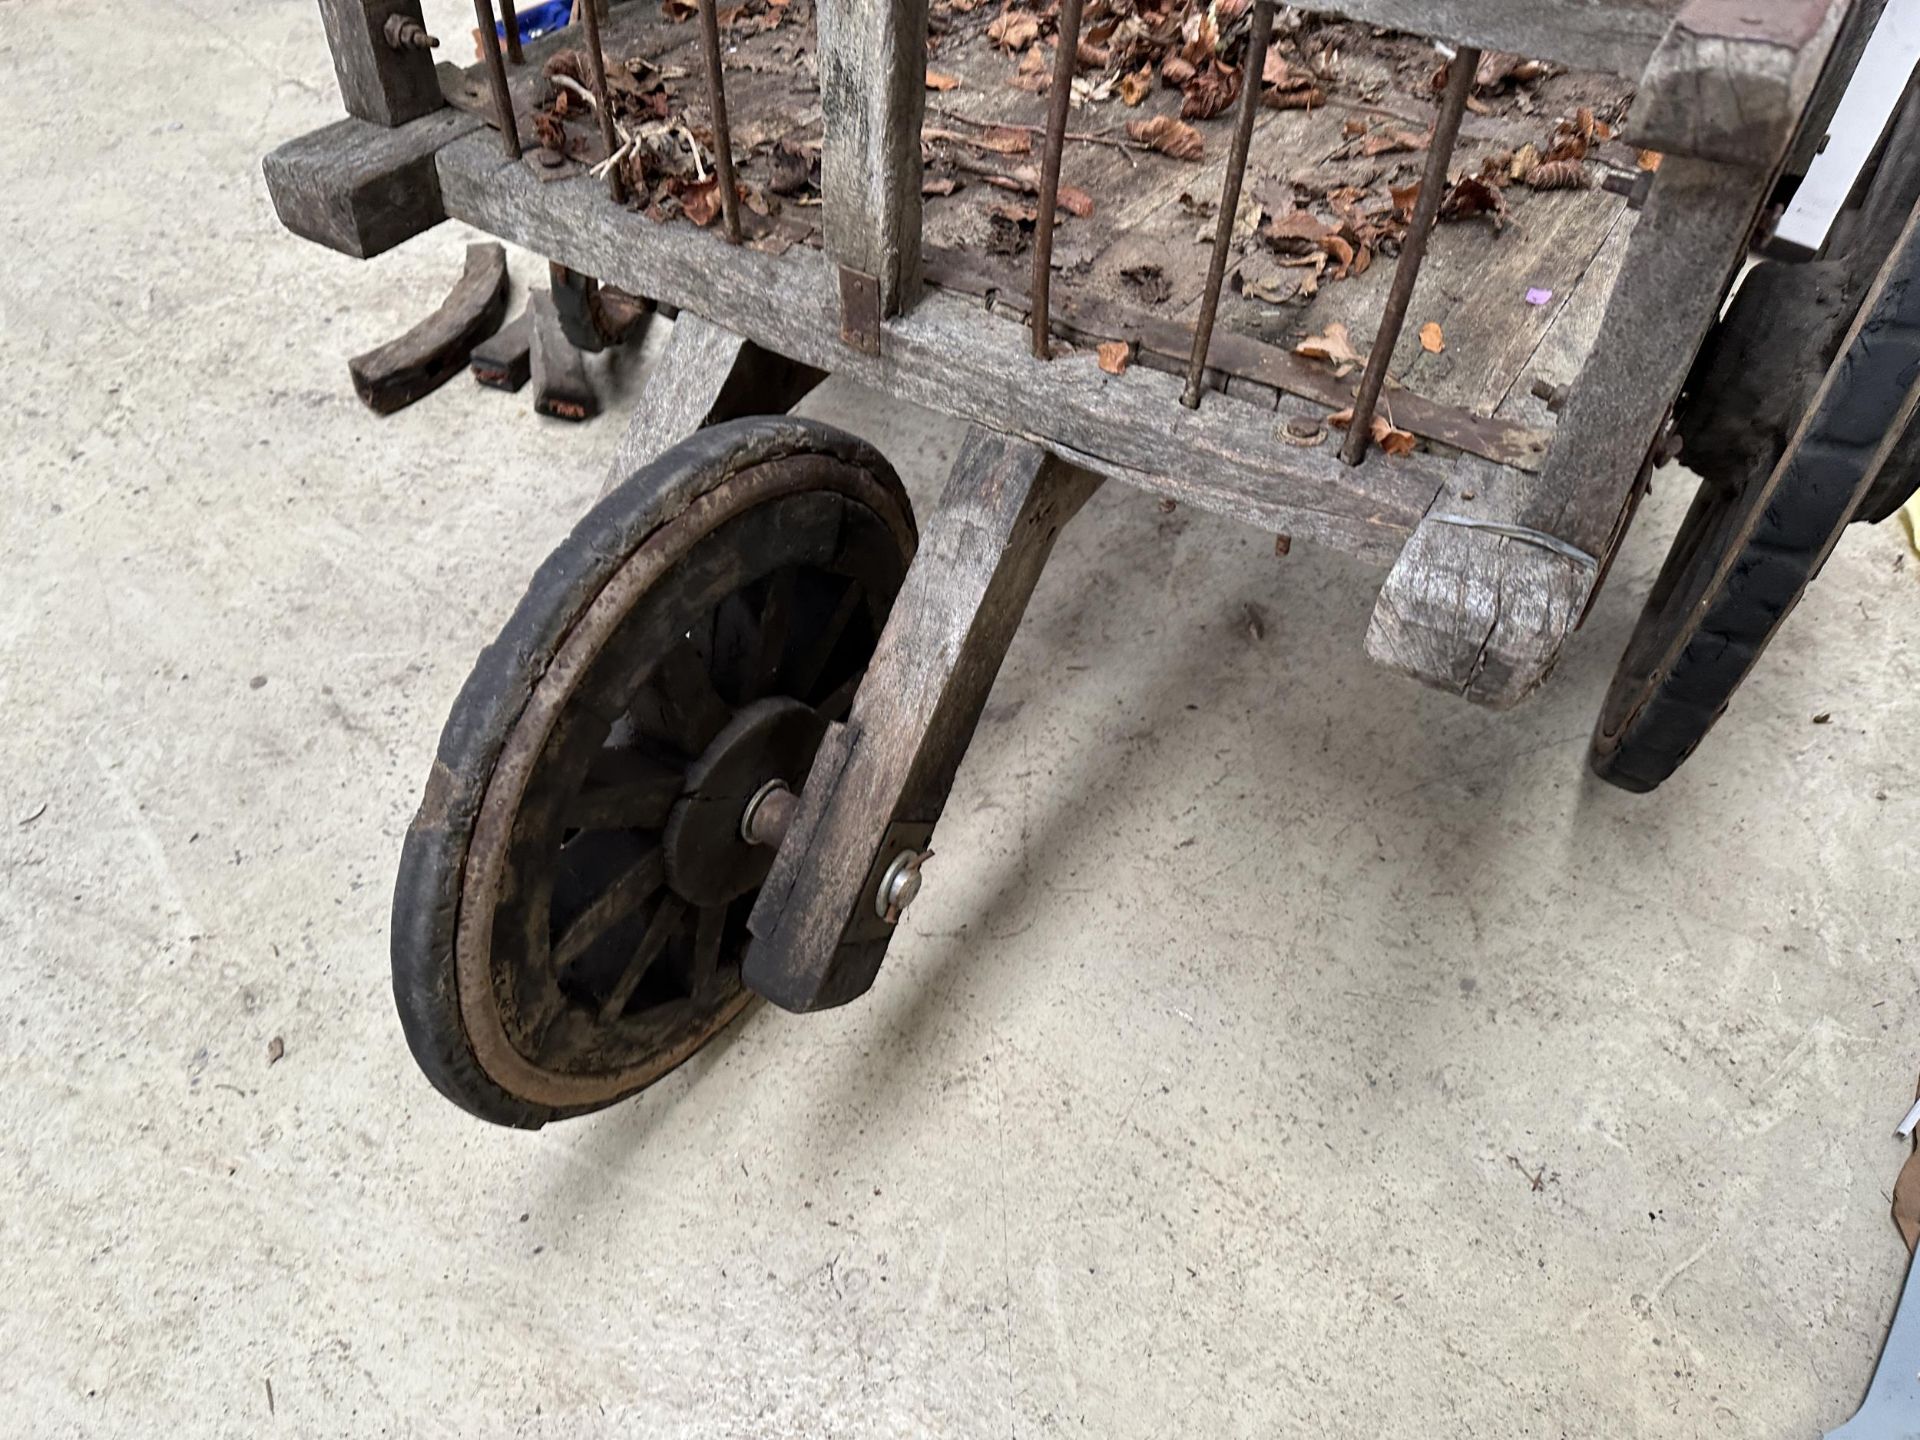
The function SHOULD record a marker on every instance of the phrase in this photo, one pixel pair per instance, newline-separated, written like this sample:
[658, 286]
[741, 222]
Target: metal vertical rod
[1413, 250]
[722, 132]
[497, 76]
[1059, 98]
[510, 22]
[602, 97]
[1250, 72]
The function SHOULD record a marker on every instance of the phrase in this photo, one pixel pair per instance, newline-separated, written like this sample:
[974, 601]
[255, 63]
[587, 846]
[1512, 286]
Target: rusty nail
[1059, 97]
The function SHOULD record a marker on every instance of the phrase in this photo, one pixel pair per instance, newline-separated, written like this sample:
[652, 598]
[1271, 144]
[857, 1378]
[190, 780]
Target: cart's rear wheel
[1748, 549]
[571, 908]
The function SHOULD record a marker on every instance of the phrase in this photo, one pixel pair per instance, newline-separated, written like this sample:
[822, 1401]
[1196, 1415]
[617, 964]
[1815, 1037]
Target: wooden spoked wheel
[571, 908]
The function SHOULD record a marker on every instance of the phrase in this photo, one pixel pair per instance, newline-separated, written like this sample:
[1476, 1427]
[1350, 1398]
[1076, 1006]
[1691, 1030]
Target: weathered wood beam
[381, 82]
[1732, 79]
[873, 72]
[705, 375]
[949, 355]
[1615, 35]
[881, 780]
[561, 388]
[360, 188]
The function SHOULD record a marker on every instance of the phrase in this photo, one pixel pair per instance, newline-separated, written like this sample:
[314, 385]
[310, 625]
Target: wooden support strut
[873, 74]
[381, 83]
[705, 375]
[880, 780]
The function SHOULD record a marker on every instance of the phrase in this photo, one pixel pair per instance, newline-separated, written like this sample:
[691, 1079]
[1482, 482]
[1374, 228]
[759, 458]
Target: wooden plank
[1475, 286]
[873, 61]
[1732, 79]
[883, 778]
[945, 356]
[1619, 36]
[705, 375]
[380, 84]
[361, 188]
[1165, 345]
[438, 348]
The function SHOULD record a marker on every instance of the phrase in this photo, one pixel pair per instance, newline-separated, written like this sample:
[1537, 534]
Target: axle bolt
[900, 885]
[404, 33]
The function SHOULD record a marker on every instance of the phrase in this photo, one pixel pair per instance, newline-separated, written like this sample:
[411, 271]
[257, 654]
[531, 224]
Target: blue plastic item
[541, 19]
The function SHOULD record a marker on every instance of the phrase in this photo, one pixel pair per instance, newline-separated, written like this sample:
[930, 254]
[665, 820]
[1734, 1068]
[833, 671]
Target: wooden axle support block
[880, 780]
[360, 188]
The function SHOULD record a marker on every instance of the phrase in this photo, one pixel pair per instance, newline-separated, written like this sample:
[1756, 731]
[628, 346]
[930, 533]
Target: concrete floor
[1201, 1097]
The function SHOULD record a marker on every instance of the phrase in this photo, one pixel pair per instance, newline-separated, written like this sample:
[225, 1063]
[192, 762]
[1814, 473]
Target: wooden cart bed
[1514, 301]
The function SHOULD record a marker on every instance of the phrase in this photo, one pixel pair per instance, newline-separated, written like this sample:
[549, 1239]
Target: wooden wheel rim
[484, 871]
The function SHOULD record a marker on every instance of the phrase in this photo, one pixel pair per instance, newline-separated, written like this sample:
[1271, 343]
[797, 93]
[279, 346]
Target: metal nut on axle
[403, 33]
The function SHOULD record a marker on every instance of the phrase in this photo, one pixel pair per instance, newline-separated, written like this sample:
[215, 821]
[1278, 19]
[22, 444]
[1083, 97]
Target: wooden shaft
[1413, 250]
[1059, 98]
[510, 22]
[497, 77]
[722, 133]
[602, 98]
[1250, 70]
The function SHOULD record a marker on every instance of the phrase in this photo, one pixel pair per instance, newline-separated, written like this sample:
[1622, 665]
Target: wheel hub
[708, 861]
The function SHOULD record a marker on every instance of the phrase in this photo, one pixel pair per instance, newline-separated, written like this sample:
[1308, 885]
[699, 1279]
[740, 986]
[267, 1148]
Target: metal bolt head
[900, 885]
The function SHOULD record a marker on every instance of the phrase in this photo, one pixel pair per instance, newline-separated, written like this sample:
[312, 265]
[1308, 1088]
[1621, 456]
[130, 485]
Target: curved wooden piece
[438, 348]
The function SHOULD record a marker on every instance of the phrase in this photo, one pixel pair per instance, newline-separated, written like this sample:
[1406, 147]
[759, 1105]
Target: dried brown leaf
[1392, 142]
[1210, 92]
[1433, 339]
[1115, 356]
[1310, 99]
[1169, 136]
[1136, 85]
[1334, 345]
[938, 81]
[1558, 175]
[1014, 30]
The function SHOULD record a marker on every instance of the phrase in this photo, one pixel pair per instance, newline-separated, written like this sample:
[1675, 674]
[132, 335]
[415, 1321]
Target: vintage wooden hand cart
[706, 756]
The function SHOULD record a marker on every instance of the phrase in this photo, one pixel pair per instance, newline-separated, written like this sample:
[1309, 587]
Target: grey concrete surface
[1279, 1050]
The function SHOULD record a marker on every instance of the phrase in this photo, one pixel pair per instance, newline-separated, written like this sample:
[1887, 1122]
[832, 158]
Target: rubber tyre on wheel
[569, 914]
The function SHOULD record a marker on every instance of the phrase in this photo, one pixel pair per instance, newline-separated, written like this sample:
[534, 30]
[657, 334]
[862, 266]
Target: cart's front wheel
[571, 908]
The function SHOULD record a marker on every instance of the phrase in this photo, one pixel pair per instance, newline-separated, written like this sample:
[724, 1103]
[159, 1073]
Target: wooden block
[361, 189]
[1612, 35]
[379, 84]
[706, 374]
[560, 384]
[880, 781]
[1732, 79]
[1476, 605]
[438, 348]
[504, 361]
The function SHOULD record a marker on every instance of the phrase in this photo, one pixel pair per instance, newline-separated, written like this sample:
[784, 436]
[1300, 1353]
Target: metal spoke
[631, 887]
[665, 921]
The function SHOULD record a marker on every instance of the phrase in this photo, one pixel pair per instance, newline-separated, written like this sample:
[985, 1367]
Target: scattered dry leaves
[1433, 339]
[1390, 439]
[1115, 356]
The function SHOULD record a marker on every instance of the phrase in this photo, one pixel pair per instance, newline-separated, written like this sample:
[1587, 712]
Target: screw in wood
[1413, 251]
[1250, 73]
[1059, 98]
